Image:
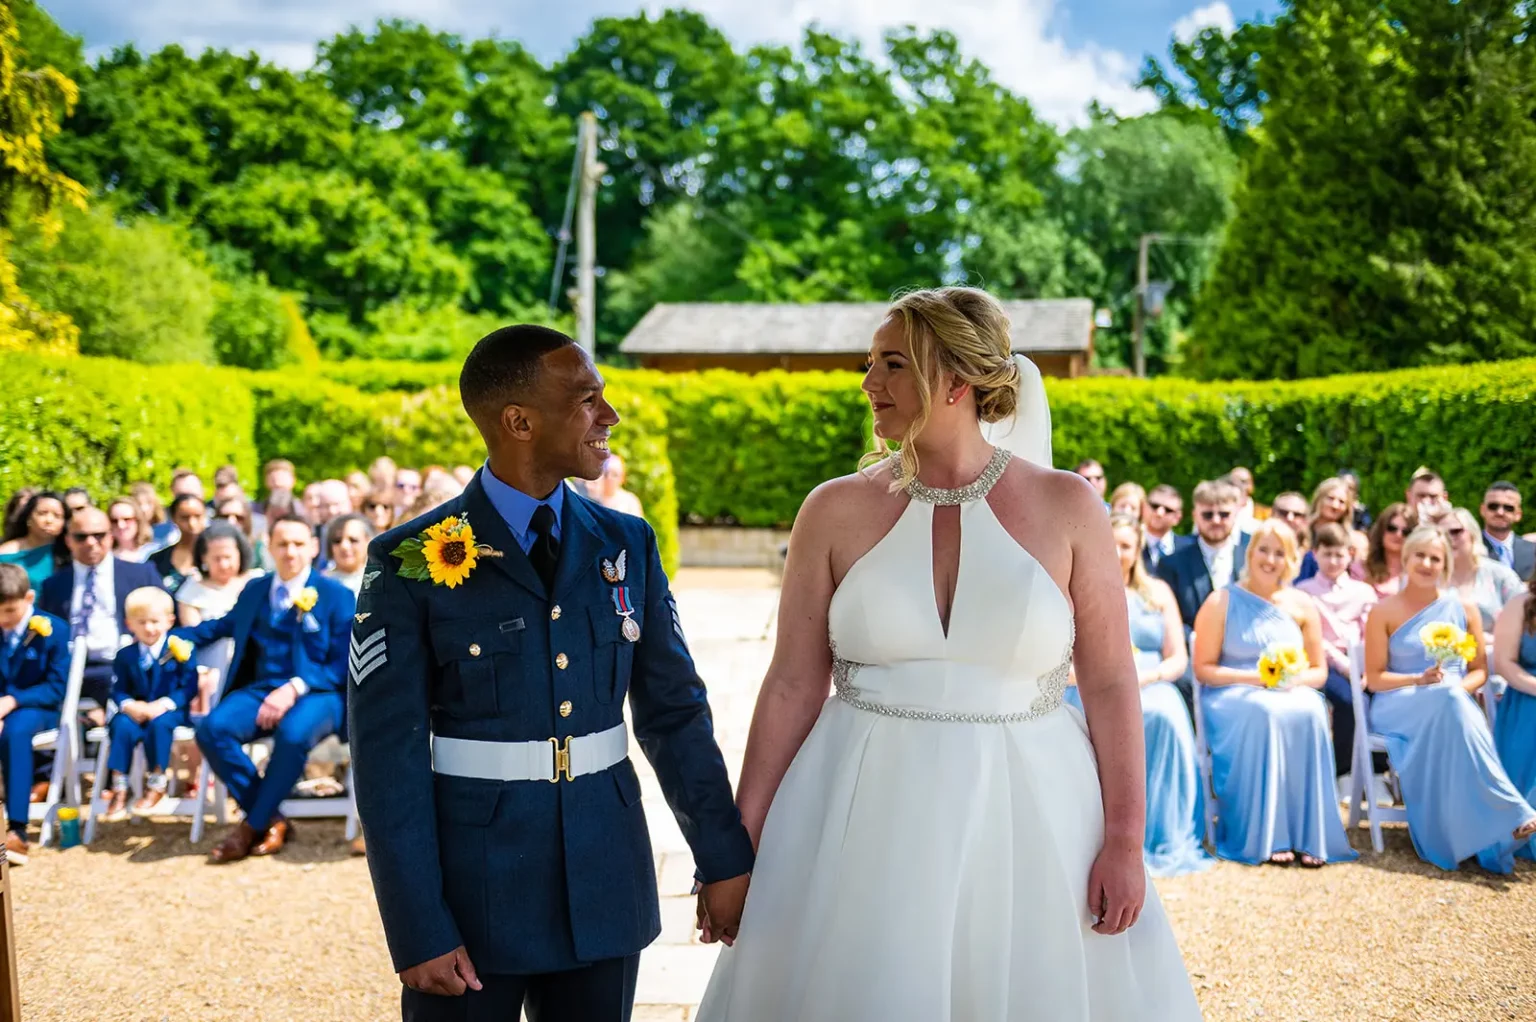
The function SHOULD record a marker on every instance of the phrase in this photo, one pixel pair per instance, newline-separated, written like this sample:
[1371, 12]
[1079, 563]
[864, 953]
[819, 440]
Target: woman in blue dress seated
[1271, 754]
[1171, 846]
[1514, 660]
[1460, 801]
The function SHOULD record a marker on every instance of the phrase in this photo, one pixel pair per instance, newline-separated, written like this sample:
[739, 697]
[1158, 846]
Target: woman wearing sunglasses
[1384, 561]
[1486, 582]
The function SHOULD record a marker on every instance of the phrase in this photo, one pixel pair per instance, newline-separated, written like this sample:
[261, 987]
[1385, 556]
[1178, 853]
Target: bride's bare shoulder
[850, 496]
[1065, 496]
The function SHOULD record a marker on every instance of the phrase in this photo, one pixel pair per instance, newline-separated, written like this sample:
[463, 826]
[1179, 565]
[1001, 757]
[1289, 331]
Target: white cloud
[1213, 15]
[1013, 37]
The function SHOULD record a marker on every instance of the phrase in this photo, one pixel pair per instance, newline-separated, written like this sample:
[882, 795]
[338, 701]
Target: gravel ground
[139, 928]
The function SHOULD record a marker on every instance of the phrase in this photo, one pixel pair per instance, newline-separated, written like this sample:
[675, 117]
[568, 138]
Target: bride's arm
[799, 676]
[1111, 693]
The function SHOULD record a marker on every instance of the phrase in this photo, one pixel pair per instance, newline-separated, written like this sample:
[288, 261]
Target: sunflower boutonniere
[39, 626]
[179, 650]
[305, 601]
[444, 554]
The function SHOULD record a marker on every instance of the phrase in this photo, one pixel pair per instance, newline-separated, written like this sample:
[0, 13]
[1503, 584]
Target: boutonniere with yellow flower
[179, 650]
[1445, 643]
[39, 626]
[305, 601]
[444, 554]
[1279, 665]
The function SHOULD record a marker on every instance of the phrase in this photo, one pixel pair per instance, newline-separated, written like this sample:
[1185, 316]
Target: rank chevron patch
[367, 655]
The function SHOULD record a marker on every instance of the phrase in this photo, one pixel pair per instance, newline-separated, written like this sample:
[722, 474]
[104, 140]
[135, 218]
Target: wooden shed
[752, 337]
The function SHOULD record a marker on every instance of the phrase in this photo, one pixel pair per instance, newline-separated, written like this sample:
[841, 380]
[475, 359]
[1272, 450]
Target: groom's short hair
[504, 366]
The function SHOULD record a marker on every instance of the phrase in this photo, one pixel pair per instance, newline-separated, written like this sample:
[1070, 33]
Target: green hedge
[374, 377]
[103, 423]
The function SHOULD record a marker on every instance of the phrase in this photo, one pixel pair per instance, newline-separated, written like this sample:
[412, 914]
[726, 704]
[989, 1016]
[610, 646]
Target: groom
[496, 639]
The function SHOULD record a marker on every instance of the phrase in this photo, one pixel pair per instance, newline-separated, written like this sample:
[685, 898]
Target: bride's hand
[1117, 887]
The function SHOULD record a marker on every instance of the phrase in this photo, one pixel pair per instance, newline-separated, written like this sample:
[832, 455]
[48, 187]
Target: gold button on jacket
[562, 661]
[565, 708]
[554, 613]
[474, 649]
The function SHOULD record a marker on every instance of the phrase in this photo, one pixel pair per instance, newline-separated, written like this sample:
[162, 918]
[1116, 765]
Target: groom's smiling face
[890, 383]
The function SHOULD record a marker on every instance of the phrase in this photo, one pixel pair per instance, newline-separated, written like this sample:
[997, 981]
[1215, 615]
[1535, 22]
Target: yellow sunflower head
[41, 625]
[1270, 671]
[449, 551]
[1439, 633]
[1291, 658]
[181, 649]
[1467, 648]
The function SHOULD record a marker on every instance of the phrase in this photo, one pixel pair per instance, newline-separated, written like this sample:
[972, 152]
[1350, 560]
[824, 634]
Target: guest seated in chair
[156, 680]
[34, 668]
[1343, 603]
[1271, 761]
[287, 681]
[1460, 801]
[1514, 733]
[1171, 844]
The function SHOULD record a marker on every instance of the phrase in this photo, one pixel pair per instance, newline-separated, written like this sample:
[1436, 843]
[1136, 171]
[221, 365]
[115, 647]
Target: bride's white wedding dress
[926, 857]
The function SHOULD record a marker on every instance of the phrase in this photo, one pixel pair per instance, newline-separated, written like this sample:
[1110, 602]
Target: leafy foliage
[1386, 216]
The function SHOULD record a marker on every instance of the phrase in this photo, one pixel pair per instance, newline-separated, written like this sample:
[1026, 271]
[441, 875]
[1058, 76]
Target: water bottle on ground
[69, 827]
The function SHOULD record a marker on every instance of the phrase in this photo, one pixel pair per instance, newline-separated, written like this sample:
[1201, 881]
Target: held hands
[719, 911]
[1117, 887]
[275, 706]
[137, 711]
[445, 976]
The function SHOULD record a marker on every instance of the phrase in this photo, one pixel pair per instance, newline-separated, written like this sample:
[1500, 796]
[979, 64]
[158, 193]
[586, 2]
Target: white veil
[1027, 432]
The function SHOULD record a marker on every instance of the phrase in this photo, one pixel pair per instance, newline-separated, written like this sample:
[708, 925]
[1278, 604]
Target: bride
[942, 839]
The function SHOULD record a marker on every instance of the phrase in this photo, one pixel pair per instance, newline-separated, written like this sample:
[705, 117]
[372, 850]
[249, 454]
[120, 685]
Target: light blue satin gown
[1460, 801]
[1514, 736]
[1175, 811]
[1271, 754]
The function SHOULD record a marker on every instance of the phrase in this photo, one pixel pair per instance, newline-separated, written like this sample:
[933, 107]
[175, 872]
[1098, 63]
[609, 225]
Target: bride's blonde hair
[959, 330]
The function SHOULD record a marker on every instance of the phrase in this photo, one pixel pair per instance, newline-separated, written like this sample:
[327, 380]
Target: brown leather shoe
[40, 791]
[357, 846]
[277, 835]
[236, 846]
[15, 848]
[149, 801]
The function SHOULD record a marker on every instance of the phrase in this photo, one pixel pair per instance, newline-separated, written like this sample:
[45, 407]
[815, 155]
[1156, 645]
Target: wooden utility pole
[586, 234]
[1139, 320]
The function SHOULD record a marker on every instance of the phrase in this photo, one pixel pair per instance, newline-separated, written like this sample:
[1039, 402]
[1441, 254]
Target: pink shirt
[1343, 607]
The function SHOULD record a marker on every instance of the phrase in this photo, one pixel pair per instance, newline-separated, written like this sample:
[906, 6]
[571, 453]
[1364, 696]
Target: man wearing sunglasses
[1214, 560]
[89, 593]
[1501, 512]
[1161, 513]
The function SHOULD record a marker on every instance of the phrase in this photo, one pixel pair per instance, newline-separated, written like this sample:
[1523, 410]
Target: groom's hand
[720, 905]
[1117, 887]
[445, 976]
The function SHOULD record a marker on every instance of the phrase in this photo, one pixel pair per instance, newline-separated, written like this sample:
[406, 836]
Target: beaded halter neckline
[967, 494]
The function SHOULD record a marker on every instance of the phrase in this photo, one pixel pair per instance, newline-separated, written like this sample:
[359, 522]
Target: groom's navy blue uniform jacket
[530, 876]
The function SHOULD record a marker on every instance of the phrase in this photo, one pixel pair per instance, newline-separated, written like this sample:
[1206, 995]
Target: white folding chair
[209, 786]
[63, 741]
[1203, 758]
[1493, 691]
[172, 806]
[1362, 788]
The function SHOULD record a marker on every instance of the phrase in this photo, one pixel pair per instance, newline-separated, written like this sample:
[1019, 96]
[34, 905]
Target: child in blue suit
[153, 681]
[34, 667]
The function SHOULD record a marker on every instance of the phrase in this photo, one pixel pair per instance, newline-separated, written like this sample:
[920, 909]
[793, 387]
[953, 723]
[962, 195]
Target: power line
[565, 231]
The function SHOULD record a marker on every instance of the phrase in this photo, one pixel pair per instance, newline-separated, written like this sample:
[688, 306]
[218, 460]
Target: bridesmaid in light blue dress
[1175, 808]
[1514, 734]
[1460, 801]
[1272, 757]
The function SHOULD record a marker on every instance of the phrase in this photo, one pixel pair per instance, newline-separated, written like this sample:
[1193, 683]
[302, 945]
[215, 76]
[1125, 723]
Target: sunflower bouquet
[1280, 663]
[1446, 644]
[444, 554]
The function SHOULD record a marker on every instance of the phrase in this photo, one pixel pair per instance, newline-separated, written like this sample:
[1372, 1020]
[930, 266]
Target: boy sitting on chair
[34, 668]
[154, 680]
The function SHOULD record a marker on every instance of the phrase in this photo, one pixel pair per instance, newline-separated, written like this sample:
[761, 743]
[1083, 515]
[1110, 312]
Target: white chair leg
[61, 766]
[199, 813]
[98, 791]
[353, 823]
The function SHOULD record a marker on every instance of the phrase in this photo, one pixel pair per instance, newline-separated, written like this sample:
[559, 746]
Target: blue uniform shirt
[516, 507]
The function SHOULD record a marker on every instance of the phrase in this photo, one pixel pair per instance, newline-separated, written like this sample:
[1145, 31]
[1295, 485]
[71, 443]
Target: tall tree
[1386, 218]
[1214, 79]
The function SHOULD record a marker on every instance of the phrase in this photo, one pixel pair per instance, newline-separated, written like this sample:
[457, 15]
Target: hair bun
[997, 397]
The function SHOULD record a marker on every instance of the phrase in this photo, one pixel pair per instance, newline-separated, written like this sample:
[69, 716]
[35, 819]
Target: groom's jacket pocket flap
[472, 640]
[628, 784]
[468, 801]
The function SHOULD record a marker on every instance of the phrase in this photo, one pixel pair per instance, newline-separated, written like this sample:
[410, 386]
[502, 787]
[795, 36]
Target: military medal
[623, 608]
[614, 571]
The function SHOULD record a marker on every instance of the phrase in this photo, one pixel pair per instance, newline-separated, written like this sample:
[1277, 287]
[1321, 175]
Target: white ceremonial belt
[548, 760]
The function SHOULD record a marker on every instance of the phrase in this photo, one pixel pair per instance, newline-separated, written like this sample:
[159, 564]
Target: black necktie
[545, 553]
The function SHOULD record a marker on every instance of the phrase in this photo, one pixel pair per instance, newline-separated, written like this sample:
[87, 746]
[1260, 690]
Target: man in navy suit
[1501, 512]
[34, 668]
[287, 681]
[90, 593]
[1213, 561]
[505, 834]
[1161, 513]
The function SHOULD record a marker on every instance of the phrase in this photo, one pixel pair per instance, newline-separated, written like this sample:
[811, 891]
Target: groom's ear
[516, 422]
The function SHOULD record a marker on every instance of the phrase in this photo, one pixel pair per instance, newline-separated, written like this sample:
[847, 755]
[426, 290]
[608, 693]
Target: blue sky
[1059, 53]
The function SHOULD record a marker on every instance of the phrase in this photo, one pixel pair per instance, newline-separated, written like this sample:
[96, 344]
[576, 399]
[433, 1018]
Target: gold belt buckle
[562, 759]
